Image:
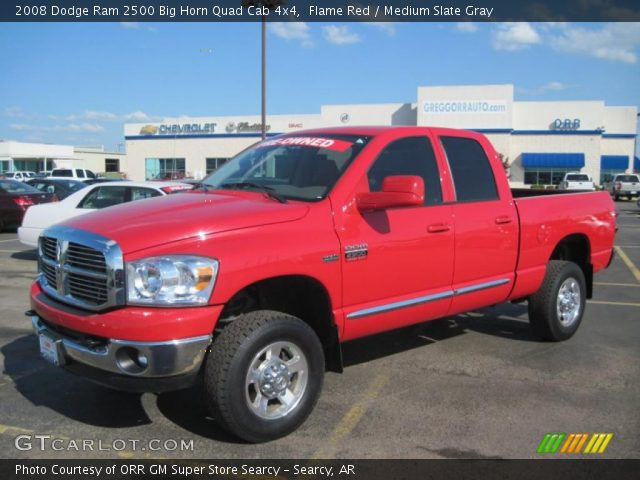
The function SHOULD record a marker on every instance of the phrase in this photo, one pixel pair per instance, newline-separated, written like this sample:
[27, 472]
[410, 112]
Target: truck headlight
[171, 280]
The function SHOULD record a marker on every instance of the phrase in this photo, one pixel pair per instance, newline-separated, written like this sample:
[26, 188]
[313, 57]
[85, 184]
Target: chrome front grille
[81, 268]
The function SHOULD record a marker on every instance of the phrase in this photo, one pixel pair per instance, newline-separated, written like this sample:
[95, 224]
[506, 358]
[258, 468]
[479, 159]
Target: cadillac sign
[179, 129]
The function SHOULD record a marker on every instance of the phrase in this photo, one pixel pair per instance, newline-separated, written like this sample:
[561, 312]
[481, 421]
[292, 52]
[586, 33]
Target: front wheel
[556, 309]
[264, 375]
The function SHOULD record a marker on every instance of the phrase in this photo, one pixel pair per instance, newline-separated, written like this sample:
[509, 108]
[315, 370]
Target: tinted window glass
[577, 178]
[295, 167]
[12, 186]
[472, 175]
[408, 156]
[627, 178]
[103, 197]
[138, 193]
[64, 172]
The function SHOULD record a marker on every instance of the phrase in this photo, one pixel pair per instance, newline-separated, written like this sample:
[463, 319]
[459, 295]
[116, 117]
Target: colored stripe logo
[573, 443]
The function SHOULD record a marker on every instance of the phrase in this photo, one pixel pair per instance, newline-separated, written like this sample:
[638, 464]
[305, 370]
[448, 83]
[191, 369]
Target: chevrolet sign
[179, 129]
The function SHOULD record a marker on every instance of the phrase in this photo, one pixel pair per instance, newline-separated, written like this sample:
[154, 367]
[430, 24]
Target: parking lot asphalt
[477, 385]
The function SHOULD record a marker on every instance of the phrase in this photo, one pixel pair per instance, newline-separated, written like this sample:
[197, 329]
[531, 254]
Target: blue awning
[636, 164]
[614, 162]
[553, 160]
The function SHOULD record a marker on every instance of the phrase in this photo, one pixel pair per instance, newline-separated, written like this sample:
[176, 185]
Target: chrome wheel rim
[569, 302]
[276, 380]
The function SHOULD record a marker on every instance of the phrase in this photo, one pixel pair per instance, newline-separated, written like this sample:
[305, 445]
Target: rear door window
[139, 193]
[473, 178]
[103, 197]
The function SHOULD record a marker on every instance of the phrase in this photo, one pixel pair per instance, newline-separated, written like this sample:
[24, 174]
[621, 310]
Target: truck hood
[157, 221]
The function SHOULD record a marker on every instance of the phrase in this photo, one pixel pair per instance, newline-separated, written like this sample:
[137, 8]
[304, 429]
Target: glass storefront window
[547, 176]
[606, 175]
[214, 163]
[164, 168]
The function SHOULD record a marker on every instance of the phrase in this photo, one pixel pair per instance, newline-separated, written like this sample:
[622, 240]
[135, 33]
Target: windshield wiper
[263, 188]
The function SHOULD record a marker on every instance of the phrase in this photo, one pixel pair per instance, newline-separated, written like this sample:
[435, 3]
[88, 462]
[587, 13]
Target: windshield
[292, 167]
[578, 178]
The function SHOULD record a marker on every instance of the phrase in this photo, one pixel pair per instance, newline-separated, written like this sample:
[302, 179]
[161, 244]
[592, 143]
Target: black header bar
[317, 10]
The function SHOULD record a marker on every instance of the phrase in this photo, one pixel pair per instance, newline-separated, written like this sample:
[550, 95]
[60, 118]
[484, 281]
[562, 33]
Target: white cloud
[512, 36]
[553, 86]
[466, 27]
[386, 27]
[81, 127]
[99, 115]
[21, 126]
[70, 127]
[340, 35]
[296, 31]
[138, 26]
[136, 116]
[617, 42]
[14, 112]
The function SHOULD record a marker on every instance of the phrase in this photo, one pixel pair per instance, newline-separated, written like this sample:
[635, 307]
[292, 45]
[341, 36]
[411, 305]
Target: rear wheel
[556, 309]
[264, 375]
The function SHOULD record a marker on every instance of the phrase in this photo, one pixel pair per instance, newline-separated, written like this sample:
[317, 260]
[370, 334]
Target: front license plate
[49, 349]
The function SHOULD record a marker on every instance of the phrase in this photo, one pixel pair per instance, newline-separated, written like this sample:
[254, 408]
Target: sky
[78, 83]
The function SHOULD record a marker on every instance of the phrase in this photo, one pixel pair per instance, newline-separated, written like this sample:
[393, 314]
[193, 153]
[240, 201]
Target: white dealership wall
[14, 155]
[514, 127]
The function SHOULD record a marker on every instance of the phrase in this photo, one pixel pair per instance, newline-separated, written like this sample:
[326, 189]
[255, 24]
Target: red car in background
[15, 198]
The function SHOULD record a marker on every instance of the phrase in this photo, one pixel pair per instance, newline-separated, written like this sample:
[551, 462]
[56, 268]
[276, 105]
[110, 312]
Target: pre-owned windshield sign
[316, 142]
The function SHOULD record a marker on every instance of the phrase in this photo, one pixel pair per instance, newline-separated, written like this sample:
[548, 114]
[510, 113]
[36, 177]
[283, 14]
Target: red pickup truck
[300, 243]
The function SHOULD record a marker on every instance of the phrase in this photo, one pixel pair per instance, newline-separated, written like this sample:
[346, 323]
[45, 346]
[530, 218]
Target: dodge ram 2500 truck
[300, 243]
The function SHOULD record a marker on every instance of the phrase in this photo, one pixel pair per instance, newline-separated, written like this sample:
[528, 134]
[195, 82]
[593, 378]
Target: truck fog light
[131, 360]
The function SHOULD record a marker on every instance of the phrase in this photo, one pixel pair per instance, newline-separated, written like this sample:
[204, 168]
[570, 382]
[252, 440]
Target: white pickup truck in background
[623, 185]
[75, 173]
[576, 181]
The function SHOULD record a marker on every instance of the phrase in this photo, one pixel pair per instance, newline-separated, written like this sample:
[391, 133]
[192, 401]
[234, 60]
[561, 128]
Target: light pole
[269, 4]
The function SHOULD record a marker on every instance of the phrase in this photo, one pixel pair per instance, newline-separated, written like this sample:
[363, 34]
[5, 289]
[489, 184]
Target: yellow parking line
[351, 418]
[610, 284]
[627, 261]
[620, 304]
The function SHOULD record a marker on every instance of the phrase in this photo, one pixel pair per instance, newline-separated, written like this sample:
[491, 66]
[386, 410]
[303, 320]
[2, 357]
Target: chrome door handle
[503, 219]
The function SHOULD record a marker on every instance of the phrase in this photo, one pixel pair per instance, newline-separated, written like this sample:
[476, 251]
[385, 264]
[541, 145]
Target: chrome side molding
[387, 307]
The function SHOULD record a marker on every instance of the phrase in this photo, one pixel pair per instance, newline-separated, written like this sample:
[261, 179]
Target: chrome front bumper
[129, 358]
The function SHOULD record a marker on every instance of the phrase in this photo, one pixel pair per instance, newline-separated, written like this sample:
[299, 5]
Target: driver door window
[408, 156]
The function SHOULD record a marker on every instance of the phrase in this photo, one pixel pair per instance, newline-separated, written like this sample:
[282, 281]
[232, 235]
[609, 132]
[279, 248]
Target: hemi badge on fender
[356, 252]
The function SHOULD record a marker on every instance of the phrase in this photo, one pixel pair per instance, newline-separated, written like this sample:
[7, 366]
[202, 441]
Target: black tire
[546, 322]
[616, 198]
[234, 354]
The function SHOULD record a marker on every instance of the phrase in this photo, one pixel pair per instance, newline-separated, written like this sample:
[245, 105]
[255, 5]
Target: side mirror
[397, 191]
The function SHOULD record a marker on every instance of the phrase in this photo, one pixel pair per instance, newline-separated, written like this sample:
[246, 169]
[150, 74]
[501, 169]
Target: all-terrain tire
[556, 309]
[264, 375]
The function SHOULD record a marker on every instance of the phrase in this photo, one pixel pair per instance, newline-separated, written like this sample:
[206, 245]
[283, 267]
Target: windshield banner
[315, 142]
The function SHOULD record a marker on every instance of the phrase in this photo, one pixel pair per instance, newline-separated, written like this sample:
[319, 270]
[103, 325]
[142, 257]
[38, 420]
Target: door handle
[503, 219]
[438, 228]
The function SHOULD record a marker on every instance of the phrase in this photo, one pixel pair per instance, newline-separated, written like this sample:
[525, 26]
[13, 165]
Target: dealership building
[540, 140]
[39, 157]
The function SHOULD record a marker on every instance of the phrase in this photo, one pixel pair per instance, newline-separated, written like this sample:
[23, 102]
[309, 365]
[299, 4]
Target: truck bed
[535, 192]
